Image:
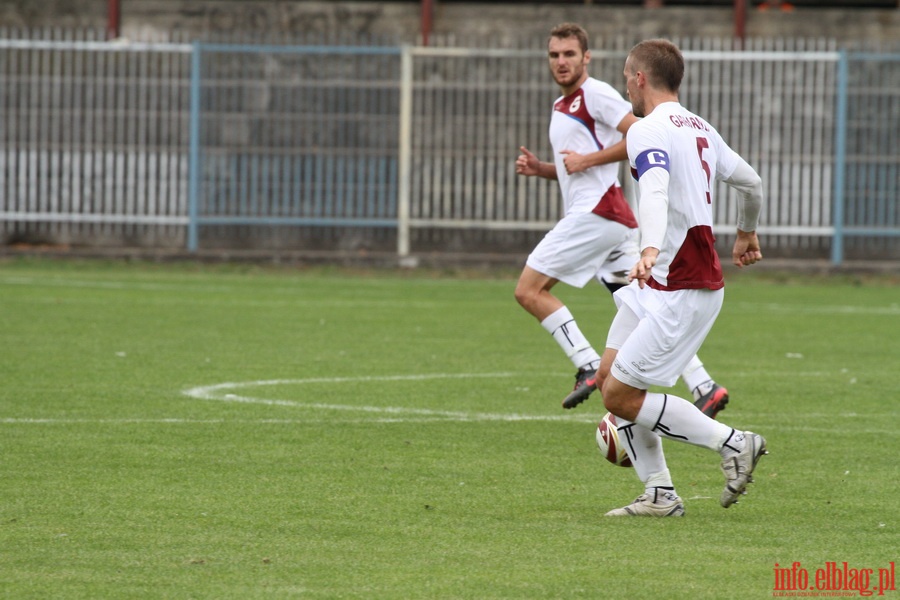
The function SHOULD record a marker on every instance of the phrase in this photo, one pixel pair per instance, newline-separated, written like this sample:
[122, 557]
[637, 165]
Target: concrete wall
[510, 24]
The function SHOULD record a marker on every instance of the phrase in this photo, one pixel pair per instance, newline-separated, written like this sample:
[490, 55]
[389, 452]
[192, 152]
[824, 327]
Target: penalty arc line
[221, 392]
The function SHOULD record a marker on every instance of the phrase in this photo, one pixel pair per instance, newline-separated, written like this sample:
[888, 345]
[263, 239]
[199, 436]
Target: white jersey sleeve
[748, 184]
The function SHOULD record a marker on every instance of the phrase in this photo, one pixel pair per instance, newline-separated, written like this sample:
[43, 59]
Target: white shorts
[577, 248]
[620, 261]
[658, 333]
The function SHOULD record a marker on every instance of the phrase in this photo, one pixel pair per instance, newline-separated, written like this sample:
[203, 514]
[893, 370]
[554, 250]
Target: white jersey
[675, 142]
[584, 122]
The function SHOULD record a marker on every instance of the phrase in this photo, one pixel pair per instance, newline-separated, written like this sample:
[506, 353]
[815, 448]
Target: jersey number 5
[703, 144]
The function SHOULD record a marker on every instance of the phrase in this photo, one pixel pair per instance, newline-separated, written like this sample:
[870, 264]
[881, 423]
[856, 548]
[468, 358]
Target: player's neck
[651, 101]
[571, 89]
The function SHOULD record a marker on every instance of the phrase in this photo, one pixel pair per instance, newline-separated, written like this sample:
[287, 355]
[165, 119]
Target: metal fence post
[404, 157]
[194, 150]
[840, 159]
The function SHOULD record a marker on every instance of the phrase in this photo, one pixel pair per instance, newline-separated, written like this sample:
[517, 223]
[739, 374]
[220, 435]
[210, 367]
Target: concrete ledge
[510, 263]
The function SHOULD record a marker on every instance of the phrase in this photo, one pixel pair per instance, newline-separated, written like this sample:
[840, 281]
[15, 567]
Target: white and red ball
[608, 442]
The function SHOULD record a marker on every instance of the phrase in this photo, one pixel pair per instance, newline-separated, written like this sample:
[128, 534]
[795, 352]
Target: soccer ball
[608, 442]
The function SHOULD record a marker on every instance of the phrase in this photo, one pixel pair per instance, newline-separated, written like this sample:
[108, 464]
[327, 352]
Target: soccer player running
[596, 237]
[677, 285]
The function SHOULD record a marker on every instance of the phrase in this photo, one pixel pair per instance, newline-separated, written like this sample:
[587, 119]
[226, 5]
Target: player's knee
[525, 296]
[620, 406]
[617, 397]
[611, 401]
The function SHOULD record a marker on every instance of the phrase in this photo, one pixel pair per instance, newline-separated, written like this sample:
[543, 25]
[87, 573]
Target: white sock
[562, 326]
[734, 443]
[644, 448]
[696, 378]
[678, 419]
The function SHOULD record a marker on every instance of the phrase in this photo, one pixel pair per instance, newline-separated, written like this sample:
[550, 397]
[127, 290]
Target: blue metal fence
[293, 136]
[867, 154]
[323, 147]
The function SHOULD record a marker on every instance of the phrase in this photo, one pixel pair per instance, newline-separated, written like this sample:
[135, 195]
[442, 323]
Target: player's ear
[587, 56]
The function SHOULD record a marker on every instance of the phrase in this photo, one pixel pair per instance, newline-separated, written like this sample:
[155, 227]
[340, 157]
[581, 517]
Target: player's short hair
[661, 61]
[567, 30]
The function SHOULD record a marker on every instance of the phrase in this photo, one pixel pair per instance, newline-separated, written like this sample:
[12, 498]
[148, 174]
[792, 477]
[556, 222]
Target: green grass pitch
[188, 431]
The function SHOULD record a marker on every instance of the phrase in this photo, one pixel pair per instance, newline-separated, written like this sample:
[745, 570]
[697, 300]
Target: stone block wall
[506, 23]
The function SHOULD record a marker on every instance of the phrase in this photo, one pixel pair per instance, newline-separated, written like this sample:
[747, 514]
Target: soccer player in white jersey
[677, 284]
[595, 238]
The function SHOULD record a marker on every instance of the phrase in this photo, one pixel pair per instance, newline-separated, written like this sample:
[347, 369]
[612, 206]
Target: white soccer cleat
[738, 469]
[660, 503]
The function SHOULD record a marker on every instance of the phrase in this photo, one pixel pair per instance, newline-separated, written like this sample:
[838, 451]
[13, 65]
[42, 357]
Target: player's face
[634, 90]
[567, 62]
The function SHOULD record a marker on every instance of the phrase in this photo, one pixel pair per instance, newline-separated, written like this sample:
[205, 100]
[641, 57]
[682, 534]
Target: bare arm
[529, 165]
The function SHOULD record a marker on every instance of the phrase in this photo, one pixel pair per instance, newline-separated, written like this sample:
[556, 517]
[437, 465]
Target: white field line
[222, 392]
[780, 429]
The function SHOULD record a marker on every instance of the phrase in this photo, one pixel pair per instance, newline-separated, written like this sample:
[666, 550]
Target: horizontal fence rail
[93, 141]
[297, 136]
[867, 177]
[280, 147]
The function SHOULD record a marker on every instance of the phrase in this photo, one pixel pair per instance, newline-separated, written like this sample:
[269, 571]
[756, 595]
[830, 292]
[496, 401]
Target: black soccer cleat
[712, 401]
[585, 383]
